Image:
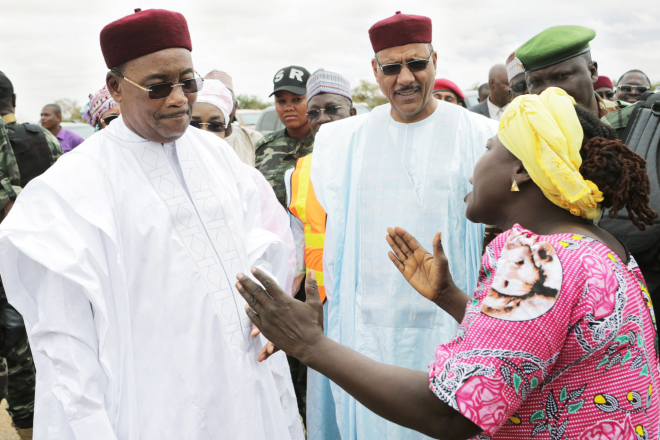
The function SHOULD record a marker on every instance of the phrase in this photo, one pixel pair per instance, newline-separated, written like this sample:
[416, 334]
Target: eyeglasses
[215, 127]
[331, 111]
[519, 87]
[109, 119]
[413, 66]
[163, 90]
[606, 95]
[628, 89]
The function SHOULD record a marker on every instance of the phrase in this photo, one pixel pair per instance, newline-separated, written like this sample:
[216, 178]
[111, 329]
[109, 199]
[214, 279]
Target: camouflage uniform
[10, 178]
[276, 153]
[619, 119]
[16, 362]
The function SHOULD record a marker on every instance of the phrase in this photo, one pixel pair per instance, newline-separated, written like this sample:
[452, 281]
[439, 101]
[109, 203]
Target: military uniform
[28, 150]
[276, 153]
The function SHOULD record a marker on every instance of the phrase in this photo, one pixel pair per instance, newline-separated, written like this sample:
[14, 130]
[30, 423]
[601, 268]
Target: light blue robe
[369, 173]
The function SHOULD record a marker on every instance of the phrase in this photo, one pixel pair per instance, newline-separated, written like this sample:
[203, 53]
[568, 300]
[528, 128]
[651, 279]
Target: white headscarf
[214, 92]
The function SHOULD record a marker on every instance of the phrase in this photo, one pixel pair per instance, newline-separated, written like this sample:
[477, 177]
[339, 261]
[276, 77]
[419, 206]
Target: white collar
[493, 109]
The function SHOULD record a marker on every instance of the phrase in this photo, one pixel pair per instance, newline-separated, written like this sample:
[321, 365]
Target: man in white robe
[404, 164]
[122, 260]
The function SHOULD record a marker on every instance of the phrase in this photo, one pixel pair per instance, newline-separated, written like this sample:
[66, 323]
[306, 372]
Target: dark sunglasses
[413, 66]
[109, 119]
[628, 89]
[332, 111]
[163, 90]
[215, 127]
[520, 87]
[606, 95]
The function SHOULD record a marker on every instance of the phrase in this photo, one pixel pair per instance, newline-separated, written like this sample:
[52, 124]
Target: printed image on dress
[527, 281]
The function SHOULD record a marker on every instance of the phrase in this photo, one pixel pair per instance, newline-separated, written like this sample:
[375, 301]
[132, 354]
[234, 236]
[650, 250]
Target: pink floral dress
[559, 342]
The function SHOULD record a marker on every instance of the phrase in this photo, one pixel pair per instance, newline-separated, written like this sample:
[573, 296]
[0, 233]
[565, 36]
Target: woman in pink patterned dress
[560, 340]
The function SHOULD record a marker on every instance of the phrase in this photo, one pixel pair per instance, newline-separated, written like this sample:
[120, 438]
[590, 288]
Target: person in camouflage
[278, 151]
[26, 151]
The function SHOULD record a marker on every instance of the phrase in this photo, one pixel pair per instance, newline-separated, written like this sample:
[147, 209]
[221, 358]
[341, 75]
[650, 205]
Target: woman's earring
[514, 186]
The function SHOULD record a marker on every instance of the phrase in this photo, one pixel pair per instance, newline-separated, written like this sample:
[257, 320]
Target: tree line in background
[366, 92]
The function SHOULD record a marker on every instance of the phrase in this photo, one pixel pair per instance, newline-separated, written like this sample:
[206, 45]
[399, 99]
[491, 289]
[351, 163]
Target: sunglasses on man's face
[413, 66]
[606, 95]
[330, 110]
[215, 127]
[109, 119]
[163, 90]
[520, 87]
[628, 89]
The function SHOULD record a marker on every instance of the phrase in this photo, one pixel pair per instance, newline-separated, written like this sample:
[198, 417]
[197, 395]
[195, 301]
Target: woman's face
[107, 117]
[491, 184]
[209, 118]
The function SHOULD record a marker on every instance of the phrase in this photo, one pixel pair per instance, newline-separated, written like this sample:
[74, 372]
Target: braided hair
[619, 172]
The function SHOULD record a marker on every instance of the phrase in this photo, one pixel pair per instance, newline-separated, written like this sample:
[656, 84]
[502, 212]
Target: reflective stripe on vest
[306, 208]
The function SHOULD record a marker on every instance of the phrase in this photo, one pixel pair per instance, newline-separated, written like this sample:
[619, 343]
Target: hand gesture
[428, 274]
[287, 323]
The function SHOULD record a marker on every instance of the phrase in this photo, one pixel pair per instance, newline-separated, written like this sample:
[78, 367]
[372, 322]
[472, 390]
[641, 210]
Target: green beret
[554, 45]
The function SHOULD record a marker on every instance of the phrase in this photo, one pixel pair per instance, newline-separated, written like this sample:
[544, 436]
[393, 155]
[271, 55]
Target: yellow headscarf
[543, 131]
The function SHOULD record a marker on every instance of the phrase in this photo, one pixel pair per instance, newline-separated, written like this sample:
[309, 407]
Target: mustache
[409, 88]
[172, 115]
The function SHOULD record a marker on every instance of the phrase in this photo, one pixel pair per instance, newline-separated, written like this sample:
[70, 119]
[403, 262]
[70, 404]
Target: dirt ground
[7, 432]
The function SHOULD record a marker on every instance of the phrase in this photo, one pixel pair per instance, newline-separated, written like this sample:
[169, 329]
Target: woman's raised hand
[428, 274]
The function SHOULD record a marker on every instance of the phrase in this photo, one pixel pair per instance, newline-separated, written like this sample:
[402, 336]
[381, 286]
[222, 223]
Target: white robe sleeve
[298, 231]
[55, 274]
[269, 242]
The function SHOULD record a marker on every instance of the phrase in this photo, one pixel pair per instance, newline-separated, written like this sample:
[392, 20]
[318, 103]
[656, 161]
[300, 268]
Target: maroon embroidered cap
[143, 33]
[399, 30]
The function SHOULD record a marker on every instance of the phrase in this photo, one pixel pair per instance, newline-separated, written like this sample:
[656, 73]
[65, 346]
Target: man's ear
[353, 111]
[13, 101]
[593, 70]
[114, 87]
[374, 65]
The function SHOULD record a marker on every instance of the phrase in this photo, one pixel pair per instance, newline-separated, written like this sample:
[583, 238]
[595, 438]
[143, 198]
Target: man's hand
[428, 274]
[5, 211]
[287, 323]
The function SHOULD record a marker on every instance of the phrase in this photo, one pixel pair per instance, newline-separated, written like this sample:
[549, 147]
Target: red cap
[603, 81]
[399, 30]
[143, 33]
[445, 84]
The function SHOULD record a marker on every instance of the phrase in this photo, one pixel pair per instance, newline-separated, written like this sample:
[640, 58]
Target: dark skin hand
[397, 394]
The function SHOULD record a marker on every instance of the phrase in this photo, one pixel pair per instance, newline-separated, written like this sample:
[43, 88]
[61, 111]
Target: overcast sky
[50, 49]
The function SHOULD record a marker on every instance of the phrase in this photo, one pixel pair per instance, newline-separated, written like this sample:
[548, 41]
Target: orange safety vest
[306, 208]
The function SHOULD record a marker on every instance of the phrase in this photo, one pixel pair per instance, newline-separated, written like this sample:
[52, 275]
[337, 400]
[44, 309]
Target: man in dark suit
[498, 83]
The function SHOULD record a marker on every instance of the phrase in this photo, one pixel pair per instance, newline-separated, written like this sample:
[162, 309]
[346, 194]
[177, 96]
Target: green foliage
[369, 93]
[70, 110]
[251, 102]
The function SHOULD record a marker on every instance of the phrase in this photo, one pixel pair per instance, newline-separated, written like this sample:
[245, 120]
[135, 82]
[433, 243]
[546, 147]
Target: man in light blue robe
[404, 164]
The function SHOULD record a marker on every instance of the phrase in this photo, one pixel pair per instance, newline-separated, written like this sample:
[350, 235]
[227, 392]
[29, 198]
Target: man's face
[575, 76]
[484, 93]
[159, 120]
[499, 88]
[50, 119]
[517, 86]
[408, 92]
[210, 118]
[631, 79]
[325, 104]
[291, 109]
[446, 95]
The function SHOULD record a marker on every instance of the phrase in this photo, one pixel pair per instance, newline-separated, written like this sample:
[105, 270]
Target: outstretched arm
[394, 393]
[428, 274]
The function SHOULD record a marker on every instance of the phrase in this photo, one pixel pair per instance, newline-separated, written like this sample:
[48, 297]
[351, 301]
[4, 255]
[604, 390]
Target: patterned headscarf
[98, 104]
[217, 94]
[544, 132]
